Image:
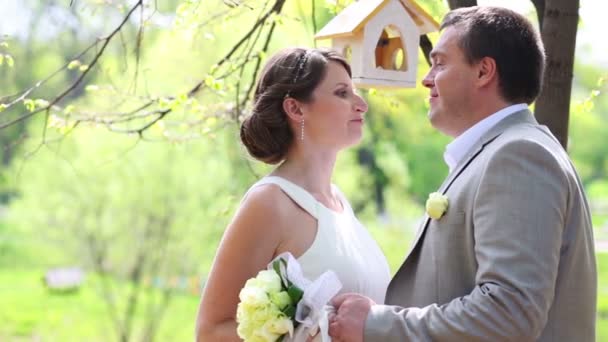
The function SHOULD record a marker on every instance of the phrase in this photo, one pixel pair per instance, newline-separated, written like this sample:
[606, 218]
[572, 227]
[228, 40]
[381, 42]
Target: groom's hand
[349, 321]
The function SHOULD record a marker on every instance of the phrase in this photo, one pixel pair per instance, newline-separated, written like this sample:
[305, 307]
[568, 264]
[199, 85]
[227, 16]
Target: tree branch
[152, 107]
[256, 69]
[314, 20]
[73, 86]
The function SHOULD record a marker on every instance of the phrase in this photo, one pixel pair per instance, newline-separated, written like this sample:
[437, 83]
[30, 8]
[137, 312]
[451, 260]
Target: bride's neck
[312, 172]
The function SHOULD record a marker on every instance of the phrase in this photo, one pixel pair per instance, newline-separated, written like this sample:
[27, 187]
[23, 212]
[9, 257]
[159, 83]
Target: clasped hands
[348, 323]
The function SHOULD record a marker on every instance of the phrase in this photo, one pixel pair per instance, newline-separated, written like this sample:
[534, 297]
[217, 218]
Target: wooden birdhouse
[380, 38]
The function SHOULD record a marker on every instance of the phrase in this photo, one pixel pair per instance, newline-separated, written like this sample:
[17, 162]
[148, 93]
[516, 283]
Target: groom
[512, 257]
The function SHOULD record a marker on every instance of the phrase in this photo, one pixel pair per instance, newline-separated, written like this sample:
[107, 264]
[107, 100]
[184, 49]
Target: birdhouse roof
[356, 15]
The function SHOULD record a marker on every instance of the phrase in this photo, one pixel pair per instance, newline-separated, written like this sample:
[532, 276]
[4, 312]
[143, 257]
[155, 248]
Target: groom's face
[450, 81]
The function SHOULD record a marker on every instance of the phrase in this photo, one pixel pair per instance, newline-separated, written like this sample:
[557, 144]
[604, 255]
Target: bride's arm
[248, 245]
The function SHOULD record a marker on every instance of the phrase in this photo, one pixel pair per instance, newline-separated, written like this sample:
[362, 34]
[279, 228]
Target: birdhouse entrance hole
[390, 51]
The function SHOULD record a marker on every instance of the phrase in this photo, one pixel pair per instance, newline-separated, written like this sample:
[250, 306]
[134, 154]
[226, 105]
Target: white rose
[253, 296]
[269, 280]
[281, 325]
[280, 299]
[265, 334]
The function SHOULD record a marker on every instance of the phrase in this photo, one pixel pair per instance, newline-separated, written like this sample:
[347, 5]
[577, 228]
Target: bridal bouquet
[280, 304]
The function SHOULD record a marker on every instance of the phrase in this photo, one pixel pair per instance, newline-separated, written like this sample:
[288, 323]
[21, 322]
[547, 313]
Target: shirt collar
[459, 147]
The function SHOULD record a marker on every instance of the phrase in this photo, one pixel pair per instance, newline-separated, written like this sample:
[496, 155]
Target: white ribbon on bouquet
[312, 311]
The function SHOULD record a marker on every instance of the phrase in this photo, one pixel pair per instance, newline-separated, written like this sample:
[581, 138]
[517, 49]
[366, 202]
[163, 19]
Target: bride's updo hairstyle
[291, 72]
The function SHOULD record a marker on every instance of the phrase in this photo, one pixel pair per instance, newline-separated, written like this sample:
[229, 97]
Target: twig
[256, 69]
[246, 44]
[105, 41]
[314, 21]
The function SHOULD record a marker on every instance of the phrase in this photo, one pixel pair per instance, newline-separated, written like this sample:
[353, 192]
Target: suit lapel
[445, 186]
[524, 116]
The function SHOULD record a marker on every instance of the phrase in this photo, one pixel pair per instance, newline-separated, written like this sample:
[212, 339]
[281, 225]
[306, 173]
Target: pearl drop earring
[302, 130]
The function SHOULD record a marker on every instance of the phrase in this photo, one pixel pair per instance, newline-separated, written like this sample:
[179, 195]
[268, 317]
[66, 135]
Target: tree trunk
[367, 159]
[454, 4]
[540, 10]
[559, 36]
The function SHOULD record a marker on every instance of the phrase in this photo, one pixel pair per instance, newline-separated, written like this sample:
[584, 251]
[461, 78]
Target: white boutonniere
[436, 205]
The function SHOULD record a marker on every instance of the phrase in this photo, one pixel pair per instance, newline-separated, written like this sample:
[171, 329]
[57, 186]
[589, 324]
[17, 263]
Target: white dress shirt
[458, 148]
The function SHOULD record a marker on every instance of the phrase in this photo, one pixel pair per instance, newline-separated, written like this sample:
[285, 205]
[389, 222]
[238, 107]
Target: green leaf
[41, 103]
[209, 80]
[213, 83]
[290, 311]
[29, 104]
[165, 103]
[276, 266]
[295, 293]
[68, 110]
[9, 60]
[3, 107]
[74, 64]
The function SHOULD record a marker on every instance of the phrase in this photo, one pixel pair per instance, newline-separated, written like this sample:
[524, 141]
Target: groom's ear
[487, 71]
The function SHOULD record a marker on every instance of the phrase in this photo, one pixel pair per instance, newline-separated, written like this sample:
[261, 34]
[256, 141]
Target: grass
[29, 311]
[602, 297]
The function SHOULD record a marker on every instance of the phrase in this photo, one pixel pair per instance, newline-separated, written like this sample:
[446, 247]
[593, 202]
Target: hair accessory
[301, 62]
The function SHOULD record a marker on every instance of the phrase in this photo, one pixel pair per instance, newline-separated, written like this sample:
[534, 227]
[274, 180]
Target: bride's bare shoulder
[266, 203]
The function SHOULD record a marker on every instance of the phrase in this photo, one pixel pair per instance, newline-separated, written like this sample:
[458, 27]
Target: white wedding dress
[342, 244]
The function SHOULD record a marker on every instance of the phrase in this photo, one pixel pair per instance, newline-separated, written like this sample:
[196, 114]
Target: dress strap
[345, 204]
[302, 197]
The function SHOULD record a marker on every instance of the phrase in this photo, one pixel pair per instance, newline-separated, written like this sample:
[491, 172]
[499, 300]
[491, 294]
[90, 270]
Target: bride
[305, 111]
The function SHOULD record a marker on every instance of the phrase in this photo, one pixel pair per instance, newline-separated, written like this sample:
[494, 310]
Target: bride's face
[334, 117]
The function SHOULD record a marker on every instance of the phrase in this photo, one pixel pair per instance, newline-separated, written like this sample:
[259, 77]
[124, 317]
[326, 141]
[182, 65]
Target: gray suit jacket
[513, 257]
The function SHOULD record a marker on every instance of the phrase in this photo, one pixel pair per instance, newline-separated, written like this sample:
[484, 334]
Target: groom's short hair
[507, 37]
